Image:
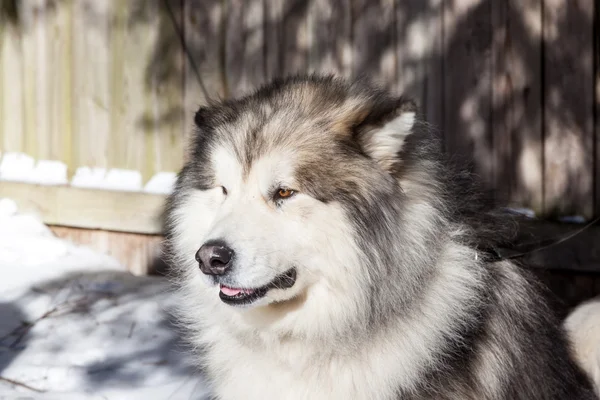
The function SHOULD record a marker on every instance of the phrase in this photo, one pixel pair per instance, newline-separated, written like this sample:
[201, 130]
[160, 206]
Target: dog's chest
[294, 373]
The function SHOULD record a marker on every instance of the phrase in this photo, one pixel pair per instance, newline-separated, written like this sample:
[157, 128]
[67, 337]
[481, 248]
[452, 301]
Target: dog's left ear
[384, 130]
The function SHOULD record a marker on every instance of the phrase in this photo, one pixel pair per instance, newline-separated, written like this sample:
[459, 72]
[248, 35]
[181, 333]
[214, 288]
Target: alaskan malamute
[326, 250]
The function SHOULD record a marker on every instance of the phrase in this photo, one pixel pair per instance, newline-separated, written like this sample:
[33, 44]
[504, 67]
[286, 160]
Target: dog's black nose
[214, 258]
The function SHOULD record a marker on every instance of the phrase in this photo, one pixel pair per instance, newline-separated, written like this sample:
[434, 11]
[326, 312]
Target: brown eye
[285, 193]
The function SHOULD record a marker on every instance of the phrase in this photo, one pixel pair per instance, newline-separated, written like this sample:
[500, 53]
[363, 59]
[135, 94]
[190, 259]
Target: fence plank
[244, 46]
[330, 37]
[91, 82]
[59, 80]
[597, 101]
[418, 48]
[11, 78]
[286, 37]
[374, 33]
[203, 69]
[568, 107]
[33, 51]
[104, 209]
[167, 84]
[467, 83]
[517, 102]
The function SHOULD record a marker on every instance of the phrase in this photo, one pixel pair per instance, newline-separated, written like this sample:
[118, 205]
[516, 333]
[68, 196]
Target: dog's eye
[283, 193]
[224, 190]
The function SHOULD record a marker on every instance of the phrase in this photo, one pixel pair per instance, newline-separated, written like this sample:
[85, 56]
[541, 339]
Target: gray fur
[460, 325]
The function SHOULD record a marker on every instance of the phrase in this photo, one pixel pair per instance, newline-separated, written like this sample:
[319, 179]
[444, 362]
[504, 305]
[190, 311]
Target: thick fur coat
[351, 259]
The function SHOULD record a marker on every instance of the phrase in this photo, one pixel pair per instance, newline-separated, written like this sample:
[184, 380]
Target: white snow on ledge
[161, 183]
[19, 167]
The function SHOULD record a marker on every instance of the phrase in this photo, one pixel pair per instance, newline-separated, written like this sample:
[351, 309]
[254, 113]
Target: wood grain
[138, 253]
[568, 107]
[87, 208]
[330, 37]
[517, 102]
[374, 38]
[467, 84]
[244, 47]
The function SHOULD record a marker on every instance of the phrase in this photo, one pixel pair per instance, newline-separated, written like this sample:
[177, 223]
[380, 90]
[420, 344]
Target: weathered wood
[330, 37]
[11, 81]
[87, 208]
[597, 105]
[286, 37]
[138, 253]
[273, 37]
[31, 24]
[568, 107]
[58, 77]
[418, 48]
[244, 46]
[517, 103]
[91, 82]
[167, 85]
[203, 24]
[132, 117]
[467, 84]
[374, 35]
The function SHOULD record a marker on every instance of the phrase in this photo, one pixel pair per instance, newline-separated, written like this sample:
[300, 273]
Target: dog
[325, 248]
[583, 326]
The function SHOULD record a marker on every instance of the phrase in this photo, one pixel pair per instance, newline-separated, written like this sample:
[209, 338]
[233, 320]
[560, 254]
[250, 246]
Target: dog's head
[291, 201]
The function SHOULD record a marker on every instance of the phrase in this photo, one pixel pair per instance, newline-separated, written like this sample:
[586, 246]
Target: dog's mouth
[239, 296]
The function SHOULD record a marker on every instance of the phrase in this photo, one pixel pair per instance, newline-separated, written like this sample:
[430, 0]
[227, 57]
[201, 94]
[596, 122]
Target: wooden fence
[512, 84]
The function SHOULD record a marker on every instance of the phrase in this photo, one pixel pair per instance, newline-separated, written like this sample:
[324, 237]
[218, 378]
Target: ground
[74, 324]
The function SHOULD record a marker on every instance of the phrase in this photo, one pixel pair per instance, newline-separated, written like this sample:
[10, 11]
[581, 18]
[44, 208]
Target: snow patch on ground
[74, 324]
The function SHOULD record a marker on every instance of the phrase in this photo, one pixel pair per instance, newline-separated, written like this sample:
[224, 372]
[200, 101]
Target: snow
[19, 167]
[23, 168]
[86, 177]
[114, 179]
[74, 324]
[161, 183]
[16, 167]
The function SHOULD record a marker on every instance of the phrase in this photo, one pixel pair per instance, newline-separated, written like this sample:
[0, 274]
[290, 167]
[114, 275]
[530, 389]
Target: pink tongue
[233, 291]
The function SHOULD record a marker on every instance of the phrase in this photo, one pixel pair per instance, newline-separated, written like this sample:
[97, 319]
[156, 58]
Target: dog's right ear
[383, 132]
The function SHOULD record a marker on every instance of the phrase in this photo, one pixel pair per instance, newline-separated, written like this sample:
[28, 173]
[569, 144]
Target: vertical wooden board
[286, 38]
[374, 35]
[11, 84]
[516, 102]
[167, 86]
[295, 37]
[33, 48]
[134, 112]
[244, 46]
[418, 47]
[91, 82]
[330, 37]
[568, 107]
[597, 101]
[58, 75]
[203, 66]
[274, 40]
[467, 84]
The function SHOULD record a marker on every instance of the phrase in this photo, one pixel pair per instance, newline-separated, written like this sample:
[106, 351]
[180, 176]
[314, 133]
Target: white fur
[297, 349]
[583, 326]
[383, 144]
